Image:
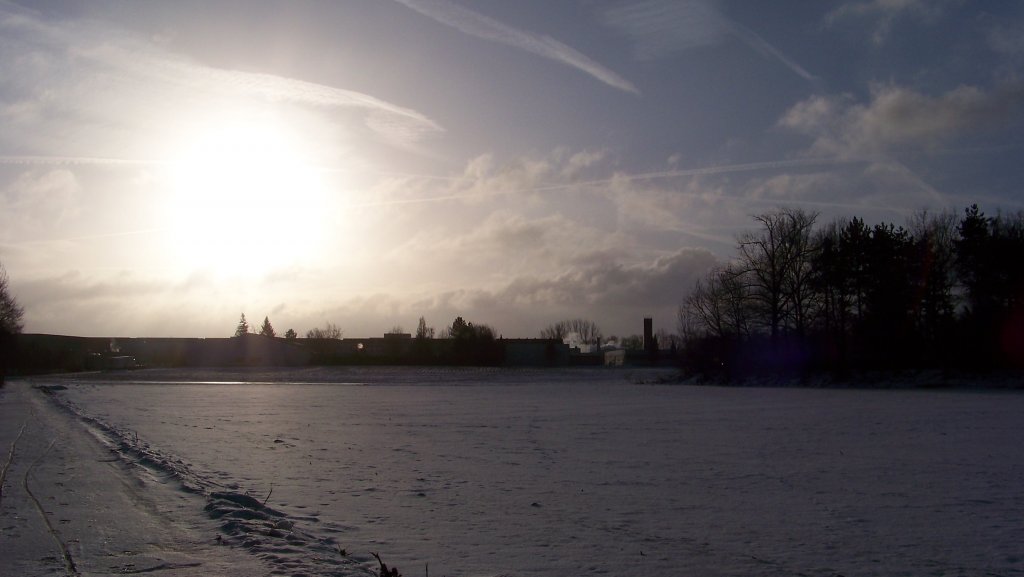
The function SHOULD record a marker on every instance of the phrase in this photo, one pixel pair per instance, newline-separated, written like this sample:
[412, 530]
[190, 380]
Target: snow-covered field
[551, 473]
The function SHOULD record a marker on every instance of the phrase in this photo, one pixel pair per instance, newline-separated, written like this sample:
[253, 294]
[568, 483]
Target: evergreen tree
[290, 334]
[243, 326]
[266, 329]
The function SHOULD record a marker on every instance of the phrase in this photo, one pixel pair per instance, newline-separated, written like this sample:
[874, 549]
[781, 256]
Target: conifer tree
[243, 326]
[266, 329]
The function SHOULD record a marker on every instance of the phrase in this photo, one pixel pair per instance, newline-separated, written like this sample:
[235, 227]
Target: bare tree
[581, 331]
[423, 331]
[718, 306]
[586, 331]
[555, 331]
[328, 331]
[776, 264]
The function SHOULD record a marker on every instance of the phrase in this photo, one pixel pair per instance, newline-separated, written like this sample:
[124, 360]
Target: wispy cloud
[476, 24]
[660, 28]
[490, 189]
[88, 67]
[885, 13]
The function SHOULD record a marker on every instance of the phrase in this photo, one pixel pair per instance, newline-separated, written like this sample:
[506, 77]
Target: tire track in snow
[69, 563]
[10, 458]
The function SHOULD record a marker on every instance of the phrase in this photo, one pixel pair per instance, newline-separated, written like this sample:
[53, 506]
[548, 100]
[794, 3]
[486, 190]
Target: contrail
[752, 39]
[475, 24]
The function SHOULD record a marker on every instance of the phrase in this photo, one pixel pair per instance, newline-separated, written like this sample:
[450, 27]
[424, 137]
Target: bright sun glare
[246, 199]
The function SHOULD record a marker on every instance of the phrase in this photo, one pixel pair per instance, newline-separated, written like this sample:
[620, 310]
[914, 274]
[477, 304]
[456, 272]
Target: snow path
[7, 462]
[69, 563]
[72, 508]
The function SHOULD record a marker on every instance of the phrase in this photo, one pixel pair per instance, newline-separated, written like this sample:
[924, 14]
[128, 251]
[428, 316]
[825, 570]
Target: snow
[70, 506]
[481, 472]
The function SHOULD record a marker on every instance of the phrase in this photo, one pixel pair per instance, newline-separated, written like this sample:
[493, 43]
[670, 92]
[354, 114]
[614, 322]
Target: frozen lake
[552, 473]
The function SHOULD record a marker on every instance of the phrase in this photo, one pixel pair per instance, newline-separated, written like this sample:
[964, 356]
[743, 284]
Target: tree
[266, 329]
[10, 312]
[988, 254]
[888, 295]
[460, 329]
[10, 322]
[933, 274]
[290, 334]
[243, 326]
[557, 331]
[423, 331]
[329, 331]
[574, 331]
[777, 267]
[422, 347]
[718, 306]
[587, 332]
[473, 344]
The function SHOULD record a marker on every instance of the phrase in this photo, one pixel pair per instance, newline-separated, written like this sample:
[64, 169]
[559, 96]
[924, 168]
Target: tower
[649, 344]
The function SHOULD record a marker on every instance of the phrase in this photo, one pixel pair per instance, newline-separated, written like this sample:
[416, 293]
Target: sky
[168, 166]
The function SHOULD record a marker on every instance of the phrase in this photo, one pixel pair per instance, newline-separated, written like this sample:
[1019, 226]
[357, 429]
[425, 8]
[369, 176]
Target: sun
[245, 199]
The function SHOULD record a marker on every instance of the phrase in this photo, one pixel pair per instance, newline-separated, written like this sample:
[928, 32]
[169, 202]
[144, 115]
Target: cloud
[885, 13]
[95, 307]
[514, 243]
[90, 87]
[38, 198]
[1007, 39]
[602, 287]
[484, 27]
[899, 118]
[527, 178]
[612, 289]
[660, 28]
[608, 282]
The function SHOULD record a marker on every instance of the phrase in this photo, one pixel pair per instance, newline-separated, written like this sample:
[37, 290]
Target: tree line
[941, 292]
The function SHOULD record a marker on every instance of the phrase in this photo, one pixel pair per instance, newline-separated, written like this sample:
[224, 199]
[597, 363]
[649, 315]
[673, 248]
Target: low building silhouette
[42, 352]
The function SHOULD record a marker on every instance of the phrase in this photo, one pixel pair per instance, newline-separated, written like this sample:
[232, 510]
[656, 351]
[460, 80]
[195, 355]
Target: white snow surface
[486, 472]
